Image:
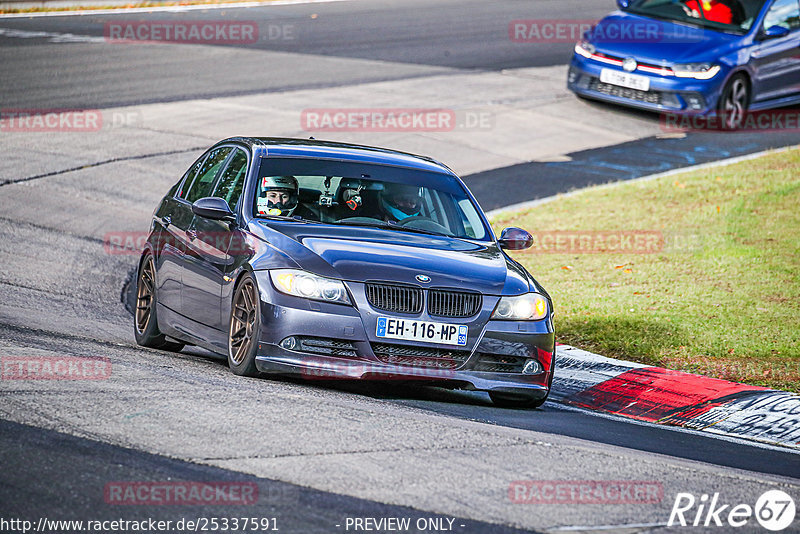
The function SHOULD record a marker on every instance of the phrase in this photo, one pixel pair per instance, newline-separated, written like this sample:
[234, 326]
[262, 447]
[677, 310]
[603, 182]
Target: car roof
[319, 149]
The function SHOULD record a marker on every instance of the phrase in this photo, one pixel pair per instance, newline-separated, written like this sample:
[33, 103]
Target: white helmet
[284, 184]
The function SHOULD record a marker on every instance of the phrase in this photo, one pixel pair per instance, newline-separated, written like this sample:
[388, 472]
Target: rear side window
[204, 180]
[232, 179]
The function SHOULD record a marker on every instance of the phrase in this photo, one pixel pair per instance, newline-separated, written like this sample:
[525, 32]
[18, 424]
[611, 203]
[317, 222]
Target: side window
[186, 181]
[232, 179]
[205, 178]
[784, 13]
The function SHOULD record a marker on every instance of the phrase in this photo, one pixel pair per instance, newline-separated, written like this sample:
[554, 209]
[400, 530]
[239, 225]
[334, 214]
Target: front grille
[395, 298]
[412, 356]
[498, 363]
[648, 97]
[453, 303]
[326, 346]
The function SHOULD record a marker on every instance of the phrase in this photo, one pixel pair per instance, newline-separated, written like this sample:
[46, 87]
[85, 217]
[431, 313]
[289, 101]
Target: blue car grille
[453, 303]
[327, 347]
[409, 299]
[498, 363]
[395, 298]
[413, 356]
[649, 97]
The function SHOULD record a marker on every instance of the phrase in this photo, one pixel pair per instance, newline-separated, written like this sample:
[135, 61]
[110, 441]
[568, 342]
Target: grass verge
[712, 286]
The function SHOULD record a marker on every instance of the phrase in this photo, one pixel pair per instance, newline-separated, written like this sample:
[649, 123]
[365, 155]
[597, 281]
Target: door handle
[191, 234]
[166, 221]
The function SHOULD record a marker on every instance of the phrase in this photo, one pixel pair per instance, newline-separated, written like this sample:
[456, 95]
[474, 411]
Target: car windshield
[355, 194]
[736, 16]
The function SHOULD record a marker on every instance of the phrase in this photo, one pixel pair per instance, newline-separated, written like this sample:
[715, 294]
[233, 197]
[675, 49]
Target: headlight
[584, 48]
[304, 284]
[698, 71]
[527, 307]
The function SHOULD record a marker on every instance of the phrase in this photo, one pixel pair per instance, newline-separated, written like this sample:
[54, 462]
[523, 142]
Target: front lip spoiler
[323, 368]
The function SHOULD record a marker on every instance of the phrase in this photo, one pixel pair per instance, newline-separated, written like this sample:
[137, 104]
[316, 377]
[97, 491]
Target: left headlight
[698, 71]
[527, 307]
[304, 284]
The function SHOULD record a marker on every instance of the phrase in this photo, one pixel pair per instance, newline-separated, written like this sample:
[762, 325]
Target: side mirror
[213, 208]
[515, 239]
[623, 4]
[773, 32]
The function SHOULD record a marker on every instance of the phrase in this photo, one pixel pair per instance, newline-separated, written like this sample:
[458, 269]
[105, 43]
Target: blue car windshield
[346, 193]
[733, 16]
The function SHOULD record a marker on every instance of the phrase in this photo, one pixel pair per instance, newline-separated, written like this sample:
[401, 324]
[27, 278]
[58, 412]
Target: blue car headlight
[698, 71]
[527, 307]
[584, 48]
[307, 285]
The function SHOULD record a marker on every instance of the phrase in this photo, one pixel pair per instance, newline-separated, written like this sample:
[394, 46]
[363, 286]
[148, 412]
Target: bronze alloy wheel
[243, 323]
[144, 295]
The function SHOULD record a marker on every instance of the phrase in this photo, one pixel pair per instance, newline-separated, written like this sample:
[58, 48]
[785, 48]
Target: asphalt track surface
[62, 474]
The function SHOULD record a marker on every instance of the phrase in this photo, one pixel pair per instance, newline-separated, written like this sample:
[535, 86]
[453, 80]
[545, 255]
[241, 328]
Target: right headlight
[307, 285]
[527, 307]
[584, 48]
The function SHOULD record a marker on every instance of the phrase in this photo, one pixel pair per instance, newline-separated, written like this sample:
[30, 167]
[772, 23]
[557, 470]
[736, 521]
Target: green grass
[721, 298]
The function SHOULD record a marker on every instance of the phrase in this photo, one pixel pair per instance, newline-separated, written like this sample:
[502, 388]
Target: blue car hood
[658, 41]
[361, 254]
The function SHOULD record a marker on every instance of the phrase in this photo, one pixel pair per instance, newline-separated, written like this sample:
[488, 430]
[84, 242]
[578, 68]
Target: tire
[516, 400]
[145, 321]
[734, 102]
[243, 328]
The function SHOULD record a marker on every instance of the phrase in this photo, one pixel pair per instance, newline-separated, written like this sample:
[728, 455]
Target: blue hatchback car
[705, 57]
[329, 260]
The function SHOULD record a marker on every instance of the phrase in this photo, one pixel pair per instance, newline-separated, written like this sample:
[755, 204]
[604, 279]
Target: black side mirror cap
[213, 208]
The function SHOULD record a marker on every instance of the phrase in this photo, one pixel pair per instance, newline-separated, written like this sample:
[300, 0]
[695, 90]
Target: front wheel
[145, 321]
[245, 325]
[733, 102]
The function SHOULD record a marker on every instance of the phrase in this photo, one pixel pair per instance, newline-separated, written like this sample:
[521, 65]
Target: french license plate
[424, 331]
[624, 79]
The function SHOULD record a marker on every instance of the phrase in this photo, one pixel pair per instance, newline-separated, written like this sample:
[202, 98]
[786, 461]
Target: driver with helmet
[278, 196]
[400, 201]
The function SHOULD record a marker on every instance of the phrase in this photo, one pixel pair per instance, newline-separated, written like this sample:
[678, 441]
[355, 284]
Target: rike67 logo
[774, 510]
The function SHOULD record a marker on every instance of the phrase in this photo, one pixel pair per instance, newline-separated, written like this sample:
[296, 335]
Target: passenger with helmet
[713, 10]
[279, 196]
[400, 201]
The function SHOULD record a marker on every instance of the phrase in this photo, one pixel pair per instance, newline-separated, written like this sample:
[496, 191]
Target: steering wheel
[421, 222]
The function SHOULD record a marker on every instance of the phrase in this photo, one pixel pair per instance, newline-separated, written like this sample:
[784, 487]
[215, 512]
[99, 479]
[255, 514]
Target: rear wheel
[244, 327]
[733, 102]
[145, 321]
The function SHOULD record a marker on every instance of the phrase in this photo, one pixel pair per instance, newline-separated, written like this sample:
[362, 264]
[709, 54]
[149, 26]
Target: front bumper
[332, 341]
[667, 94]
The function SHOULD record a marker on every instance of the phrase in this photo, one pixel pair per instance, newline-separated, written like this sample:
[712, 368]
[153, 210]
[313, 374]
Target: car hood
[373, 254]
[657, 41]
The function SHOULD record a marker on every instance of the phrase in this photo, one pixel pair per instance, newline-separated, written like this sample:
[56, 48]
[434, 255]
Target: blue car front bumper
[319, 340]
[667, 94]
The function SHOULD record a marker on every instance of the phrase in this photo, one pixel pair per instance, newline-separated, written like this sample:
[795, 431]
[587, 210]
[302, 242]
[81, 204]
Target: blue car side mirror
[623, 4]
[774, 32]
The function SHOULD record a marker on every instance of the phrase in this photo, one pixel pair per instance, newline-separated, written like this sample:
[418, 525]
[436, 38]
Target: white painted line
[601, 528]
[720, 163]
[162, 9]
[50, 36]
